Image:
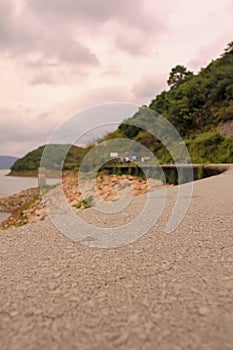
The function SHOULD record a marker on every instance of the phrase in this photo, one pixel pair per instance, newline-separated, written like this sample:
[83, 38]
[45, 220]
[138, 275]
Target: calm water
[13, 184]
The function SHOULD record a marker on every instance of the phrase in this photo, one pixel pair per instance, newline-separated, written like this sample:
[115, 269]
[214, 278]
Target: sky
[58, 57]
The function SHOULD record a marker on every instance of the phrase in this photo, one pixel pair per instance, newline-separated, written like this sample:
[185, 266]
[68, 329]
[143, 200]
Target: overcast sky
[60, 56]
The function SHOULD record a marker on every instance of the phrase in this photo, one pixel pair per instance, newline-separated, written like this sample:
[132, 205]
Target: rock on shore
[27, 207]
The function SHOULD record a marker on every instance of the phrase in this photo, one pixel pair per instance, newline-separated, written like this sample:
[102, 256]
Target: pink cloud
[149, 86]
[63, 55]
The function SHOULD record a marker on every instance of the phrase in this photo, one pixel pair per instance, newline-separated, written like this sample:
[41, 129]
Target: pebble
[203, 311]
[14, 313]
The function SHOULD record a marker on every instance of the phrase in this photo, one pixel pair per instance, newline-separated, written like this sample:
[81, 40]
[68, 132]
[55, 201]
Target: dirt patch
[226, 128]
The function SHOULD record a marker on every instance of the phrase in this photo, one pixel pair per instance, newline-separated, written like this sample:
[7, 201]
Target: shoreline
[23, 173]
[14, 205]
[32, 173]
[27, 207]
[200, 170]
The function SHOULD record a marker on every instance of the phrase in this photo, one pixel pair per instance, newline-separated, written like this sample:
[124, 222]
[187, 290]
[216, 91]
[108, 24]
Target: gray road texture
[162, 292]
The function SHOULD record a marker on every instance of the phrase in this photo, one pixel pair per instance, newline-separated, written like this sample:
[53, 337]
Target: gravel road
[164, 291]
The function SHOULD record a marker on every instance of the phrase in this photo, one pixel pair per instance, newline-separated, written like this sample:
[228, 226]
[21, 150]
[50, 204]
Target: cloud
[14, 33]
[63, 55]
[74, 52]
[24, 34]
[100, 11]
[134, 22]
[132, 41]
[210, 51]
[43, 78]
[38, 63]
[149, 86]
[107, 94]
[14, 127]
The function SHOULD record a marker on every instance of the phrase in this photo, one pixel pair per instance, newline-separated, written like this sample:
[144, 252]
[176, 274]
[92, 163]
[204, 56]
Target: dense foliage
[195, 105]
[201, 102]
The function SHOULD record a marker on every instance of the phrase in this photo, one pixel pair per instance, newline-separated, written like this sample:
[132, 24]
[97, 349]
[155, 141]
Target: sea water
[13, 184]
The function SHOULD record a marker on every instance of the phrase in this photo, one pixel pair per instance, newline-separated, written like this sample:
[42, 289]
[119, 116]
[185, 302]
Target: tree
[229, 48]
[178, 75]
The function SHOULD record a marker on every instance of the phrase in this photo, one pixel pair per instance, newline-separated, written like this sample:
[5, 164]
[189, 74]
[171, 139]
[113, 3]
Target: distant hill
[32, 160]
[7, 161]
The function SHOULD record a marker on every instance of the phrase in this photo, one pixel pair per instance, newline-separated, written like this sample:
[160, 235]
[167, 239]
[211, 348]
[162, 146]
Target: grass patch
[85, 203]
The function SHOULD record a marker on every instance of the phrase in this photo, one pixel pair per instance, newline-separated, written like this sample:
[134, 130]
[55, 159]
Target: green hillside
[198, 103]
[31, 161]
[200, 107]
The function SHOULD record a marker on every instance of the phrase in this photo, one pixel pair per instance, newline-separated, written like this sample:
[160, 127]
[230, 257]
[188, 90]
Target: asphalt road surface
[164, 291]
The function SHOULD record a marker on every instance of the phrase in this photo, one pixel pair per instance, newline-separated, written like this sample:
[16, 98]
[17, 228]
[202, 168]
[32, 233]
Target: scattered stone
[27, 207]
[203, 311]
